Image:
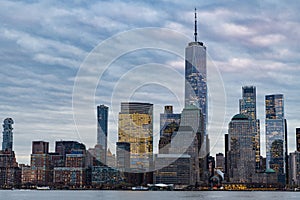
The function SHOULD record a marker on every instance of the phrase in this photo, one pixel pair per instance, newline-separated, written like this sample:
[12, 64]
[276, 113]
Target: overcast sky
[43, 44]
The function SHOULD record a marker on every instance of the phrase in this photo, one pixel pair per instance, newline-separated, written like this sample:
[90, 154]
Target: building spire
[195, 33]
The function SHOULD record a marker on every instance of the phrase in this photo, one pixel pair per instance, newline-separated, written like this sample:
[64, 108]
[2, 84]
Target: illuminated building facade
[241, 155]
[40, 163]
[69, 176]
[248, 108]
[276, 146]
[136, 128]
[10, 173]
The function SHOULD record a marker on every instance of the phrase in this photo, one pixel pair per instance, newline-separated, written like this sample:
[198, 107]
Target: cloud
[44, 44]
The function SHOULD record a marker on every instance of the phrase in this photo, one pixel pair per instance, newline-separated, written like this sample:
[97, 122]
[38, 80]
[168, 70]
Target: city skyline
[42, 52]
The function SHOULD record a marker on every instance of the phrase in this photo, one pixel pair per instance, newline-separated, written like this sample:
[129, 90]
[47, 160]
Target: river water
[144, 195]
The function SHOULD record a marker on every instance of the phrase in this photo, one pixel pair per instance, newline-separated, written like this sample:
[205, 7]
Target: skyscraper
[136, 128]
[196, 75]
[220, 161]
[169, 123]
[294, 169]
[7, 144]
[10, 173]
[276, 135]
[248, 108]
[123, 156]
[241, 155]
[102, 118]
[298, 139]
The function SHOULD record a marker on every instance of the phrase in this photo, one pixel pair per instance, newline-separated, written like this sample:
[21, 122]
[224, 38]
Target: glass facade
[136, 128]
[169, 121]
[241, 161]
[248, 108]
[7, 144]
[102, 118]
[275, 133]
[196, 78]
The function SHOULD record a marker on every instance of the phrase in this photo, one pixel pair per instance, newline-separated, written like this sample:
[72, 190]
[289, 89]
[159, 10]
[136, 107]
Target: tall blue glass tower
[102, 127]
[196, 76]
[276, 135]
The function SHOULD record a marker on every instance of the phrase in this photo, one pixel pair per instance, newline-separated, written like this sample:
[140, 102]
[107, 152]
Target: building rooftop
[239, 117]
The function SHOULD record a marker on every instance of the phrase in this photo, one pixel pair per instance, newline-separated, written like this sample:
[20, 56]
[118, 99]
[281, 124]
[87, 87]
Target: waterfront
[148, 195]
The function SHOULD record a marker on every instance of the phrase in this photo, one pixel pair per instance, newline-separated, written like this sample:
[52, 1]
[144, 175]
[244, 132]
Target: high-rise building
[123, 156]
[196, 76]
[7, 144]
[294, 169]
[226, 139]
[180, 172]
[248, 102]
[40, 163]
[169, 123]
[189, 139]
[248, 108]
[136, 128]
[241, 155]
[298, 139]
[276, 143]
[102, 127]
[40, 147]
[220, 161]
[67, 147]
[10, 173]
[192, 117]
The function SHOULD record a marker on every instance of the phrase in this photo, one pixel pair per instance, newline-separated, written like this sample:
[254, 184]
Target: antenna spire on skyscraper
[195, 33]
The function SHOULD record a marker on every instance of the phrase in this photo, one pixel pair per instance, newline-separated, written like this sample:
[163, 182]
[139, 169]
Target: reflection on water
[144, 195]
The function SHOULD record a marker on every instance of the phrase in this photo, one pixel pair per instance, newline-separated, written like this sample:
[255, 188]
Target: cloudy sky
[47, 48]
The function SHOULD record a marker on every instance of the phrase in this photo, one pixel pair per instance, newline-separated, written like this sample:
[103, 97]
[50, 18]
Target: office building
[102, 128]
[169, 123]
[220, 162]
[136, 128]
[7, 144]
[40, 164]
[196, 76]
[248, 108]
[226, 139]
[298, 139]
[294, 169]
[276, 144]
[123, 156]
[67, 147]
[73, 177]
[105, 175]
[174, 169]
[10, 173]
[241, 155]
